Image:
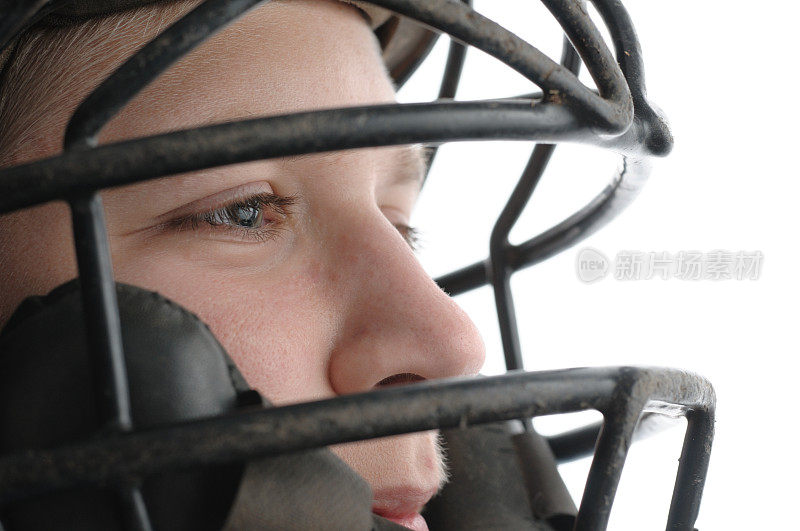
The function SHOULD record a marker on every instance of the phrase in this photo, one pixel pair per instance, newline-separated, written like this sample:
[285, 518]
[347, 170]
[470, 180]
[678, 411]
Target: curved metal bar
[428, 405]
[605, 207]
[167, 154]
[610, 116]
[157, 156]
[657, 138]
[144, 66]
[590, 45]
[626, 44]
[649, 134]
[457, 19]
[588, 220]
[637, 392]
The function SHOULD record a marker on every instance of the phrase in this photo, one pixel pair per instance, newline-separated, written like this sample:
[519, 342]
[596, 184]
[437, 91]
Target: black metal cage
[615, 115]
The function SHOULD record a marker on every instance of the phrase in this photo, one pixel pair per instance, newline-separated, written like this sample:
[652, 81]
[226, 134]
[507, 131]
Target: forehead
[279, 58]
[402, 166]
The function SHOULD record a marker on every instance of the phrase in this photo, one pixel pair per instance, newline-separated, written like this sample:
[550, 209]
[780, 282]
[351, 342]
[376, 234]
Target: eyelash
[279, 205]
[410, 234]
[223, 217]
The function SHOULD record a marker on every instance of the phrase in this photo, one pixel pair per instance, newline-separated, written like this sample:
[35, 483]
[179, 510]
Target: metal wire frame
[617, 115]
[77, 172]
[620, 394]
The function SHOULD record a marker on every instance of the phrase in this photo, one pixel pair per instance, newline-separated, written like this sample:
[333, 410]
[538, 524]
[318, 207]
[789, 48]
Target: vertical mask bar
[104, 337]
[500, 271]
[453, 68]
[606, 470]
[134, 509]
[103, 330]
[692, 470]
[91, 239]
[450, 80]
[500, 249]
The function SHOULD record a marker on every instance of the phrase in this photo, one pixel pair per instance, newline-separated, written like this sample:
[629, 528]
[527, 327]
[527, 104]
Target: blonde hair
[53, 68]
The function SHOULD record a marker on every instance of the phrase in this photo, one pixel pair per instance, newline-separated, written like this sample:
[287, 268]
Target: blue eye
[238, 215]
[257, 218]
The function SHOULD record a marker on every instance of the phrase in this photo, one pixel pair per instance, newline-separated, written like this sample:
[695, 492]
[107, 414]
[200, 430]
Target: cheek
[271, 324]
[36, 254]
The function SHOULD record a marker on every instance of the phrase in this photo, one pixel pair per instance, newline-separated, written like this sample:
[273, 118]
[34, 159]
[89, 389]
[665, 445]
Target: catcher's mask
[118, 435]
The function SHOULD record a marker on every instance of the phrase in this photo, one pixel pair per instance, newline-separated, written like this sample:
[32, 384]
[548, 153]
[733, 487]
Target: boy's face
[299, 266]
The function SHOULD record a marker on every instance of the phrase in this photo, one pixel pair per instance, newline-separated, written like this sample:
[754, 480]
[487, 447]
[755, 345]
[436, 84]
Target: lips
[412, 521]
[403, 505]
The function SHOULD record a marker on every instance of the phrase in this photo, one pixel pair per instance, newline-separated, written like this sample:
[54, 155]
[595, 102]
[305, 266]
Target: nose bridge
[398, 320]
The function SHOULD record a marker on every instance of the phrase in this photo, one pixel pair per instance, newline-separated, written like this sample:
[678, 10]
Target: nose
[399, 325]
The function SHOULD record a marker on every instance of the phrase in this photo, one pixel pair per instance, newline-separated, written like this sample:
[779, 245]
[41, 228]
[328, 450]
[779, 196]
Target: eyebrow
[408, 166]
[412, 166]
[404, 167]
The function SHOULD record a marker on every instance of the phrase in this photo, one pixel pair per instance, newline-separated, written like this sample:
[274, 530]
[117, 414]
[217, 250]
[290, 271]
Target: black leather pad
[488, 488]
[177, 371]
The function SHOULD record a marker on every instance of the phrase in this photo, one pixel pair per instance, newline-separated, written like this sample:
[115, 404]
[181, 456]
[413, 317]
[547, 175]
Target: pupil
[247, 216]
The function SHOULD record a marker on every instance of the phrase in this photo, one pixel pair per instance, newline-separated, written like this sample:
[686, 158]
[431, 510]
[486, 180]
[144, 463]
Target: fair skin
[308, 283]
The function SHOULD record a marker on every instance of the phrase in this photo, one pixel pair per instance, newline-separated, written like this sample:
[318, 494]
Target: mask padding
[306, 491]
[177, 371]
[487, 489]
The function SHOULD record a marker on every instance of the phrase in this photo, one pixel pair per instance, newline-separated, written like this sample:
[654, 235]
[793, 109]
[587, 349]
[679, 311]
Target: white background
[719, 72]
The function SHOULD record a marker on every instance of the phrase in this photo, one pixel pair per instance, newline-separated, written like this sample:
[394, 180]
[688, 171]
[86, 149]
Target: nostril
[400, 379]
